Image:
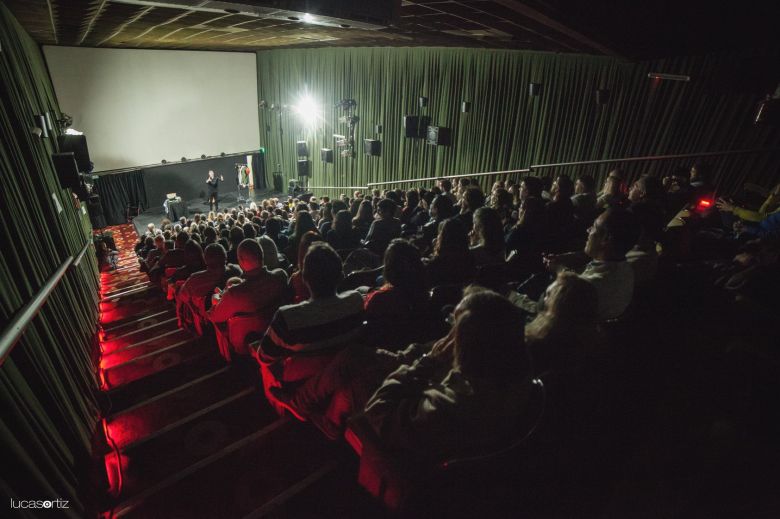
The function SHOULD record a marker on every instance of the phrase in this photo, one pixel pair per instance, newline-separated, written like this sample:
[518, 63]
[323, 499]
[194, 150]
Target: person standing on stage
[213, 183]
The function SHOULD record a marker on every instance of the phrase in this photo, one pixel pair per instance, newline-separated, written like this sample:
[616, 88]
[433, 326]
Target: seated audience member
[613, 192]
[647, 204]
[770, 206]
[148, 246]
[467, 395]
[195, 293]
[565, 332]
[154, 255]
[678, 190]
[440, 210]
[236, 237]
[769, 226]
[271, 258]
[337, 207]
[319, 327]
[396, 312]
[193, 262]
[363, 218]
[300, 291]
[700, 181]
[342, 236]
[451, 261]
[411, 207]
[445, 185]
[585, 199]
[384, 229]
[303, 224]
[487, 238]
[422, 216]
[473, 199]
[560, 215]
[173, 258]
[525, 242]
[261, 292]
[501, 201]
[273, 229]
[610, 237]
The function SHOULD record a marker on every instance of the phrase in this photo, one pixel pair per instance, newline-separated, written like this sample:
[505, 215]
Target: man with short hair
[445, 185]
[261, 292]
[584, 199]
[302, 337]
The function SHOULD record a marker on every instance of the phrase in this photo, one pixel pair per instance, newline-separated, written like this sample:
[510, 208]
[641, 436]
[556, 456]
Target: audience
[384, 228]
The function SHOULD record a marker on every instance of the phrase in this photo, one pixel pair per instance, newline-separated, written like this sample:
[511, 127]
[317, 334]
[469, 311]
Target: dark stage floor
[199, 205]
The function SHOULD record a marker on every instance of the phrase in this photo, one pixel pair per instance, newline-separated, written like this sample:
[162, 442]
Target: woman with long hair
[451, 261]
[487, 238]
[299, 288]
[364, 218]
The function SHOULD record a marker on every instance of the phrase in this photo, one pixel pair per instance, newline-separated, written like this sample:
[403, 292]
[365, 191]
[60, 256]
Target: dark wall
[188, 179]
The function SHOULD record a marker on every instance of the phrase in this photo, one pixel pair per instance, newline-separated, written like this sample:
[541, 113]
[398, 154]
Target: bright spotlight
[308, 110]
[307, 18]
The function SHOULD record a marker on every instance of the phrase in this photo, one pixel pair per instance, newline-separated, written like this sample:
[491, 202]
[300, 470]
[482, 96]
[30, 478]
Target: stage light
[307, 18]
[307, 110]
[72, 131]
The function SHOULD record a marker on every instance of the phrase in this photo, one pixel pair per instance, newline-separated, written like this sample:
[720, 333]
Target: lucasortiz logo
[27, 504]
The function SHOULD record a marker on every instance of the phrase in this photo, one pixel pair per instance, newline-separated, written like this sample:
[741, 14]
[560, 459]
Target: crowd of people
[431, 312]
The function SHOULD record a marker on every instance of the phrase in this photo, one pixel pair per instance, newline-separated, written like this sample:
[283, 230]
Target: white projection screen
[139, 106]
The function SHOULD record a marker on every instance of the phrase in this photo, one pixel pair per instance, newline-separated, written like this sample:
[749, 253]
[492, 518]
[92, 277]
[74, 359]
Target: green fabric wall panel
[507, 128]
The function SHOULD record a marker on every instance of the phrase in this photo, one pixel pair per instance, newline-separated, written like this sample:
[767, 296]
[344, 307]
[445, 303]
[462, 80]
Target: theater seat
[241, 329]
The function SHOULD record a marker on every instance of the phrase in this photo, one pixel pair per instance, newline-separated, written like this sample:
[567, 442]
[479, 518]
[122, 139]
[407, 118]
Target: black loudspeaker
[423, 102]
[326, 154]
[602, 96]
[465, 107]
[95, 210]
[378, 128]
[68, 173]
[438, 136]
[78, 145]
[372, 147]
[304, 168]
[411, 125]
[534, 89]
[303, 148]
[278, 181]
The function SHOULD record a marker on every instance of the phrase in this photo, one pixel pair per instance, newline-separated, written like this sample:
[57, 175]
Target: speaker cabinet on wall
[68, 173]
[438, 136]
[304, 168]
[326, 154]
[78, 145]
[534, 89]
[373, 147]
[465, 107]
[302, 148]
[411, 125]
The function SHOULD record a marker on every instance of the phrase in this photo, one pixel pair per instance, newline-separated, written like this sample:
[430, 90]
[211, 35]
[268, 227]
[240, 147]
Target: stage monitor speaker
[373, 147]
[304, 168]
[327, 155]
[68, 172]
[302, 148]
[438, 136]
[411, 126]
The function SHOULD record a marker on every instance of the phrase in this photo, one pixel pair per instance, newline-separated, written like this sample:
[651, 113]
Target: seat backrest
[245, 328]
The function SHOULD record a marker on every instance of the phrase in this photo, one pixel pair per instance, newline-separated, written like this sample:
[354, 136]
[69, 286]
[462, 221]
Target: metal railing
[536, 167]
[14, 330]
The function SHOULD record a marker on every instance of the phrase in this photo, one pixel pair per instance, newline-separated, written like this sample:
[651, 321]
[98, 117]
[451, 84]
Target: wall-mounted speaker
[378, 128]
[78, 145]
[534, 89]
[602, 96]
[302, 148]
[438, 136]
[326, 154]
[373, 147]
[411, 125]
[304, 168]
[68, 173]
[465, 107]
[423, 102]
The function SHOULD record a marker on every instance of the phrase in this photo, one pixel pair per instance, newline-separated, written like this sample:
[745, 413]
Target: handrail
[13, 331]
[651, 158]
[336, 188]
[470, 175]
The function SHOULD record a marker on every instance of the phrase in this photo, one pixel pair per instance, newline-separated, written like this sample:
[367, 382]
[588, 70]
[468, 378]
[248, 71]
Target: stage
[156, 213]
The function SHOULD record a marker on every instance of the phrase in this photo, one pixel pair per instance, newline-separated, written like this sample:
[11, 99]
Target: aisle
[190, 436]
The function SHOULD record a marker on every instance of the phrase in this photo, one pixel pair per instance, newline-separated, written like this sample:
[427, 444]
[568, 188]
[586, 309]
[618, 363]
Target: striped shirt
[313, 325]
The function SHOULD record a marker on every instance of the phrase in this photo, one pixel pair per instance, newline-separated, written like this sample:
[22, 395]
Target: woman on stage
[213, 183]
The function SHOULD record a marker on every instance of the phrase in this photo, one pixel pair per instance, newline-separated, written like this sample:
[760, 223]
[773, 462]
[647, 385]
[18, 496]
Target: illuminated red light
[704, 203]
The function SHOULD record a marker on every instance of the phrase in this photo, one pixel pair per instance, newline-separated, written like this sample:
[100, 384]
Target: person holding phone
[213, 184]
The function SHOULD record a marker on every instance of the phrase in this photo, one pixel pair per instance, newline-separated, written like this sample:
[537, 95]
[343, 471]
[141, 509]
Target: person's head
[531, 187]
[236, 236]
[306, 242]
[215, 257]
[150, 228]
[473, 198]
[365, 212]
[342, 223]
[249, 230]
[613, 184]
[646, 187]
[250, 255]
[562, 188]
[501, 198]
[273, 226]
[303, 224]
[159, 242]
[442, 207]
[270, 252]
[322, 270]
[193, 254]
[612, 235]
[403, 266]
[446, 185]
[452, 238]
[412, 198]
[699, 172]
[585, 184]
[149, 243]
[339, 205]
[211, 173]
[181, 240]
[531, 212]
[386, 208]
[327, 212]
[488, 229]
[498, 356]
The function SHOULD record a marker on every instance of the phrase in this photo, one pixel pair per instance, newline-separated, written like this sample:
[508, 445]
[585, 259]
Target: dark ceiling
[631, 29]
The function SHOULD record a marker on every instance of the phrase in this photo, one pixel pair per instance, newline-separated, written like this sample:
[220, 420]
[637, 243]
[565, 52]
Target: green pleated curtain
[508, 129]
[48, 407]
